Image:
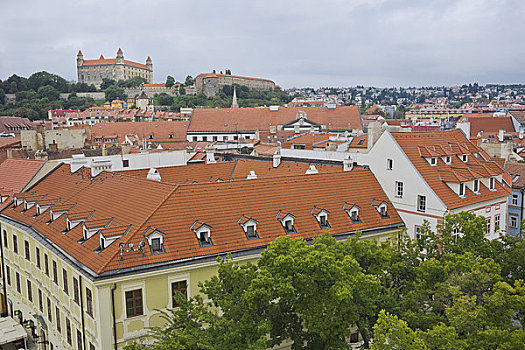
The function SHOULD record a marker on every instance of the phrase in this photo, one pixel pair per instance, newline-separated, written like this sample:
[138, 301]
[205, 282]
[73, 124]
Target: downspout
[4, 284]
[114, 319]
[82, 313]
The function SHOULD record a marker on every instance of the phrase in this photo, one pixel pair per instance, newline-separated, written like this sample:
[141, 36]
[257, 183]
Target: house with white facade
[428, 175]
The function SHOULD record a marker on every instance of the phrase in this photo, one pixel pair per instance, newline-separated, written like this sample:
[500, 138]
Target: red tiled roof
[517, 174]
[173, 209]
[251, 119]
[457, 171]
[108, 61]
[15, 174]
[490, 124]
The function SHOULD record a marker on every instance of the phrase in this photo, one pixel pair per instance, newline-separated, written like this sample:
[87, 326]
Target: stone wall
[63, 139]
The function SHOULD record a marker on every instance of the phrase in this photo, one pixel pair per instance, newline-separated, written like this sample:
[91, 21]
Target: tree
[392, 333]
[114, 93]
[107, 83]
[189, 80]
[170, 81]
[164, 99]
[48, 91]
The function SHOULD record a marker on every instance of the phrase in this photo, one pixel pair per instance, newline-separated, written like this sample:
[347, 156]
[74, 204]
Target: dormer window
[461, 189]
[354, 215]
[353, 212]
[287, 221]
[249, 227]
[202, 231]
[288, 226]
[492, 184]
[382, 209]
[476, 186]
[448, 160]
[321, 215]
[155, 245]
[464, 158]
[433, 161]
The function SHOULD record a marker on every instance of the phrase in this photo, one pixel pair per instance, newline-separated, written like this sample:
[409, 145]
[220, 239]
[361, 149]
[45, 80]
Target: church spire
[234, 101]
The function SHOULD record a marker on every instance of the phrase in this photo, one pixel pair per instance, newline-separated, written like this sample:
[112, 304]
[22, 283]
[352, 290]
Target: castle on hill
[93, 71]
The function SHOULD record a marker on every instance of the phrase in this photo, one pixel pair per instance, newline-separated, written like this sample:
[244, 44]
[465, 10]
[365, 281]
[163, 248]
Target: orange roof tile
[251, 119]
[457, 171]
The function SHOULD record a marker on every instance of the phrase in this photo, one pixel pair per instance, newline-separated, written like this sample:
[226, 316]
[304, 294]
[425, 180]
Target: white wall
[312, 154]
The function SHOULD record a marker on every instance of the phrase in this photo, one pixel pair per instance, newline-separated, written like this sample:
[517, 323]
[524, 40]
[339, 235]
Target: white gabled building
[427, 175]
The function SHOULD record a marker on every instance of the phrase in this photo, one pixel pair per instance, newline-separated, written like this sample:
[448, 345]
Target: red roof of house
[418, 145]
[517, 174]
[174, 209]
[252, 119]
[16, 173]
[490, 124]
[108, 61]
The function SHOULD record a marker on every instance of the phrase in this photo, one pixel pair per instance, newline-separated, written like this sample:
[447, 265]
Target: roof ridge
[103, 266]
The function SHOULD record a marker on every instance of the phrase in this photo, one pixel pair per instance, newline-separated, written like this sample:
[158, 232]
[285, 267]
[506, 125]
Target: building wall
[515, 210]
[489, 210]
[210, 86]
[93, 74]
[205, 136]
[64, 138]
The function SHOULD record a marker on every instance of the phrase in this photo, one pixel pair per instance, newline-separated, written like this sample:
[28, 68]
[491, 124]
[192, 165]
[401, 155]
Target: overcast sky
[295, 43]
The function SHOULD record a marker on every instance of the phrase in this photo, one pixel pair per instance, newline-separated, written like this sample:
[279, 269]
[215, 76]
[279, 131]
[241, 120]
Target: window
[433, 161]
[134, 303]
[323, 221]
[46, 264]
[79, 340]
[55, 272]
[49, 312]
[15, 244]
[464, 158]
[8, 274]
[29, 291]
[204, 238]
[399, 189]
[514, 199]
[40, 301]
[476, 186]
[250, 231]
[448, 160]
[421, 203]
[75, 291]
[513, 221]
[288, 226]
[57, 315]
[5, 239]
[89, 302]
[125, 163]
[38, 258]
[496, 223]
[491, 183]
[68, 331]
[155, 245]
[389, 164]
[178, 287]
[461, 189]
[66, 285]
[18, 287]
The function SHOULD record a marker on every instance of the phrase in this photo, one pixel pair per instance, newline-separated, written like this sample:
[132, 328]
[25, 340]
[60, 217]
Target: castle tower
[80, 58]
[120, 56]
[149, 64]
[234, 101]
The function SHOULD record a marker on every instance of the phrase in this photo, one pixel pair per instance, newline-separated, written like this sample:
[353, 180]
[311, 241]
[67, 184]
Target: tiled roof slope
[517, 174]
[173, 209]
[158, 130]
[108, 61]
[490, 124]
[414, 144]
[251, 119]
[15, 174]
[519, 115]
[237, 169]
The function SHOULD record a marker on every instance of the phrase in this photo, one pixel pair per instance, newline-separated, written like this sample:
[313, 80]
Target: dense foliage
[438, 292]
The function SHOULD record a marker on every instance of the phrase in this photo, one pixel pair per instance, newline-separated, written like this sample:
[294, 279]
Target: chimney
[347, 164]
[276, 159]
[210, 155]
[251, 175]
[374, 132]
[501, 135]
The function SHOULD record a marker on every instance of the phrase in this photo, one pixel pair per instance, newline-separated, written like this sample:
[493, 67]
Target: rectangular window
[433, 161]
[66, 285]
[389, 164]
[46, 264]
[491, 183]
[513, 221]
[29, 291]
[18, 287]
[68, 331]
[27, 251]
[5, 239]
[476, 186]
[448, 160]
[464, 158]
[57, 315]
[40, 301]
[79, 340]
[178, 287]
[134, 303]
[8, 274]
[399, 189]
[55, 272]
[38, 257]
[461, 189]
[89, 302]
[49, 312]
[496, 222]
[514, 199]
[75, 291]
[489, 228]
[421, 203]
[15, 244]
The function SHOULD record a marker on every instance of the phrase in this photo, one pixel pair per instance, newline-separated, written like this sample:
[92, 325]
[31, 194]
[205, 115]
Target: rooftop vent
[153, 174]
[274, 108]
